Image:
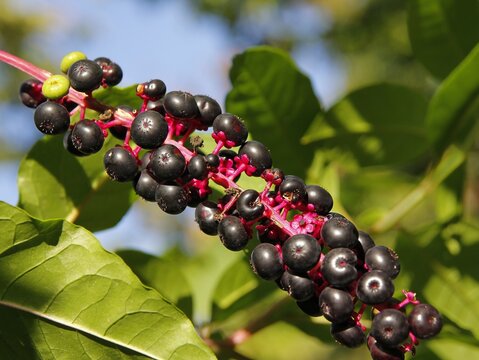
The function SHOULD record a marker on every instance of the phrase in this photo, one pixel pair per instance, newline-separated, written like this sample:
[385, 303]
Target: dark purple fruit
[384, 259]
[145, 186]
[301, 252]
[310, 307]
[320, 198]
[68, 144]
[120, 164]
[365, 240]
[171, 198]
[380, 352]
[212, 160]
[31, 93]
[249, 205]
[336, 305]
[180, 104]
[293, 189]
[51, 118]
[87, 137]
[205, 216]
[197, 167]
[374, 287]
[209, 109]
[339, 233]
[298, 287]
[232, 233]
[348, 334]
[166, 163]
[266, 261]
[149, 129]
[390, 327]
[258, 155]
[233, 128]
[154, 89]
[425, 321]
[339, 267]
[85, 75]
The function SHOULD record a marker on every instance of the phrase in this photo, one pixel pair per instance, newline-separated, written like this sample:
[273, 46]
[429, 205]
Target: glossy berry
[197, 167]
[365, 241]
[205, 216]
[293, 189]
[154, 89]
[298, 287]
[149, 129]
[55, 87]
[301, 252]
[171, 198]
[212, 160]
[145, 186]
[233, 128]
[381, 352]
[180, 104]
[348, 334]
[87, 137]
[232, 233]
[310, 307]
[68, 144]
[384, 259]
[336, 305]
[390, 327]
[157, 105]
[339, 267]
[425, 321]
[374, 287]
[166, 163]
[120, 164]
[320, 198]
[258, 155]
[209, 109]
[112, 74]
[249, 205]
[31, 93]
[70, 59]
[85, 75]
[51, 118]
[339, 233]
[266, 261]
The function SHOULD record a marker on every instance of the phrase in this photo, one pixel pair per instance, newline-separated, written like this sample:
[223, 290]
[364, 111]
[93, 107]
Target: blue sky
[166, 40]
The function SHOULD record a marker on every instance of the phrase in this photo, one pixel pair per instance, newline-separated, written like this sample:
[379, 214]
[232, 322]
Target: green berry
[71, 58]
[55, 87]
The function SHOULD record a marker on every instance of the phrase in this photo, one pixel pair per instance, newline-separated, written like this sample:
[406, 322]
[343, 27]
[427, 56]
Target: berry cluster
[319, 257]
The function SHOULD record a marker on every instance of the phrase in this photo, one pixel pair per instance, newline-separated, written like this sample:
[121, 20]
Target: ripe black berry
[390, 327]
[293, 189]
[348, 334]
[258, 155]
[301, 252]
[145, 186]
[232, 233]
[120, 164]
[112, 74]
[154, 89]
[339, 266]
[365, 241]
[384, 259]
[68, 144]
[197, 167]
[209, 109]
[339, 233]
[181, 105]
[374, 287]
[298, 287]
[87, 137]
[425, 321]
[232, 127]
[249, 205]
[205, 216]
[149, 129]
[320, 198]
[266, 261]
[212, 160]
[381, 352]
[166, 163]
[85, 75]
[31, 93]
[51, 118]
[336, 305]
[310, 307]
[171, 198]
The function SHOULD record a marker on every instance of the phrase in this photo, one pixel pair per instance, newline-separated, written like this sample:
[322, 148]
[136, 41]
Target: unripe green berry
[70, 59]
[55, 87]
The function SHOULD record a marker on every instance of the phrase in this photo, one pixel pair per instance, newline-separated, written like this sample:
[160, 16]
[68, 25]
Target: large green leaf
[58, 272]
[55, 184]
[277, 102]
[442, 32]
[115, 96]
[379, 125]
[454, 109]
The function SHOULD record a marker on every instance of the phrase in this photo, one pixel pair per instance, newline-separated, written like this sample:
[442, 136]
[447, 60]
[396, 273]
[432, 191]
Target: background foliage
[399, 156]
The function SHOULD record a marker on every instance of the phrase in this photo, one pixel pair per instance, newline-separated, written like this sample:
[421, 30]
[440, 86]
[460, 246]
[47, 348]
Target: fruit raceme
[317, 256]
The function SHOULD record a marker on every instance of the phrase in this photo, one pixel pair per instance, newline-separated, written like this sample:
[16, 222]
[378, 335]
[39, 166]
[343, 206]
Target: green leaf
[115, 96]
[378, 125]
[442, 32]
[55, 184]
[58, 272]
[277, 102]
[454, 108]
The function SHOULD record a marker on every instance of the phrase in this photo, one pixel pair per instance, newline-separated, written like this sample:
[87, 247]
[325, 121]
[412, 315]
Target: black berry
[197, 167]
[85, 75]
[293, 189]
[374, 287]
[232, 233]
[51, 118]
[149, 129]
[209, 109]
[381, 352]
[154, 89]
[384, 259]
[120, 164]
[266, 261]
[205, 216]
[339, 233]
[301, 252]
[258, 155]
[336, 305]
[166, 163]
[298, 287]
[180, 104]
[320, 198]
[171, 198]
[233, 128]
[348, 334]
[249, 205]
[145, 186]
[310, 307]
[31, 93]
[339, 267]
[425, 321]
[390, 327]
[87, 137]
